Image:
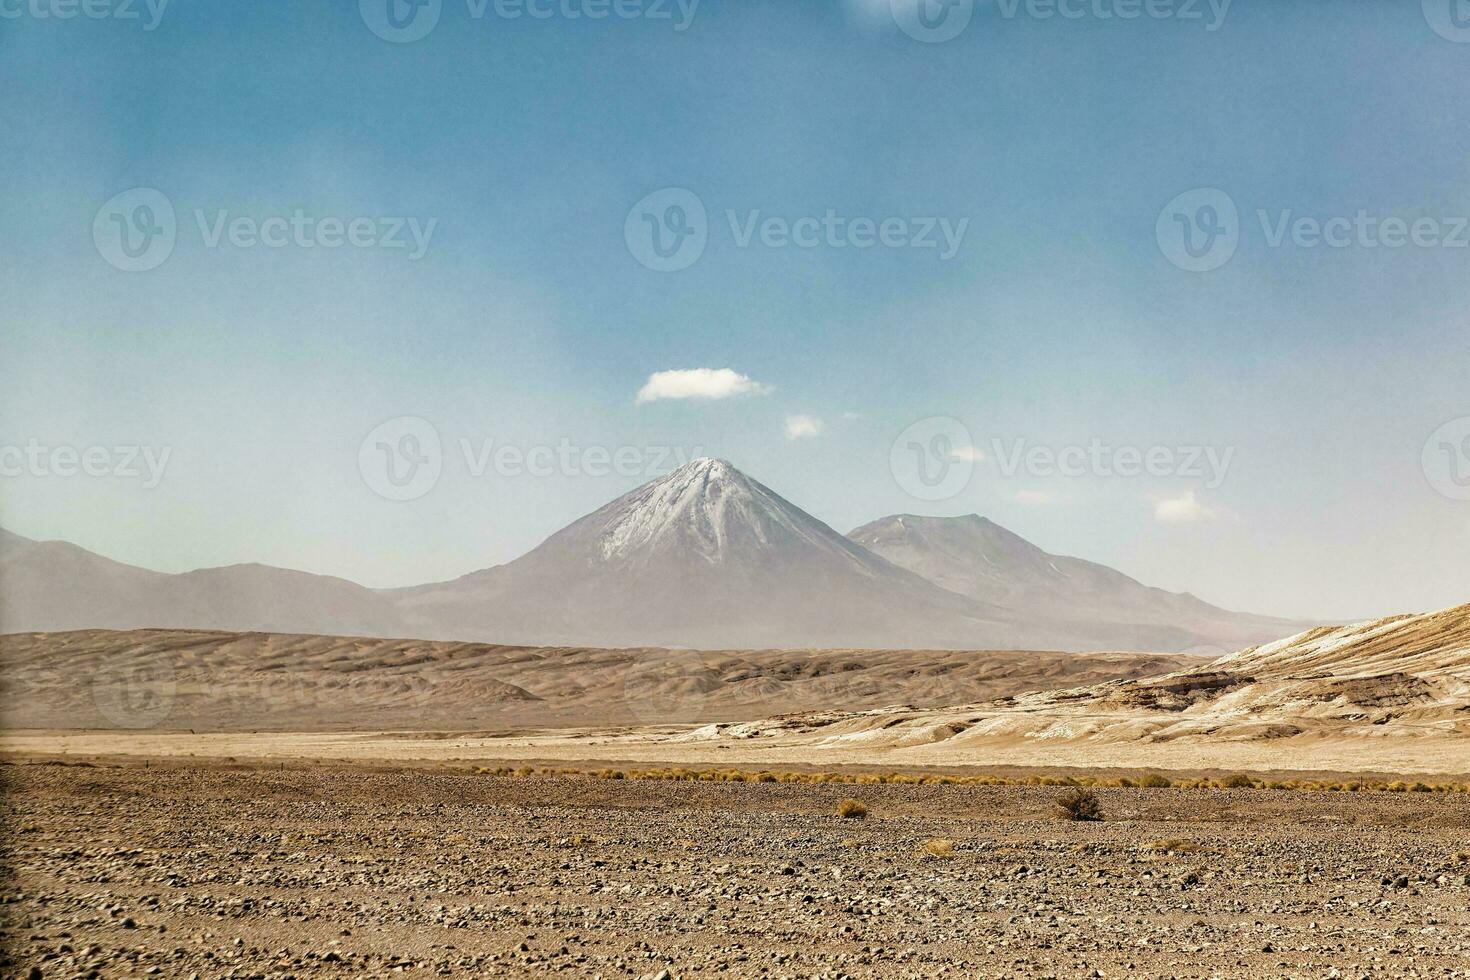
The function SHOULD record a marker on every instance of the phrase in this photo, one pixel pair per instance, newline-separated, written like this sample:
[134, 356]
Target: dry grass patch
[1147, 781]
[851, 809]
[938, 847]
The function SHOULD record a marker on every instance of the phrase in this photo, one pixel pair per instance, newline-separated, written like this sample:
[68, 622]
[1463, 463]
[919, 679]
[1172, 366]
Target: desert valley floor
[193, 803]
[209, 870]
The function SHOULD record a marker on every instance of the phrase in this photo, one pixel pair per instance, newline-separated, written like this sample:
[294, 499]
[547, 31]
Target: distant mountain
[703, 557]
[54, 585]
[980, 559]
[706, 557]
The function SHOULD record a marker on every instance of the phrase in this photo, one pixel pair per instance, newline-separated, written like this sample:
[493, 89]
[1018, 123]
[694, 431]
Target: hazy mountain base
[703, 557]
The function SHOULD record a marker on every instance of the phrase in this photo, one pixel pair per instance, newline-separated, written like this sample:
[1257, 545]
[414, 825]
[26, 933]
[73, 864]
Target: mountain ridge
[976, 557]
[704, 556]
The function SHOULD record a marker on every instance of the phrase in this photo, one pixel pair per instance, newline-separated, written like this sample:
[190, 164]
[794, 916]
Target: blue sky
[529, 320]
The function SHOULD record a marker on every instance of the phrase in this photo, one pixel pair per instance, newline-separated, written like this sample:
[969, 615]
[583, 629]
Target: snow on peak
[706, 508]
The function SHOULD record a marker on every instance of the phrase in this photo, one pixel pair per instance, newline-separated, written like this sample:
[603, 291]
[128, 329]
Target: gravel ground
[184, 870]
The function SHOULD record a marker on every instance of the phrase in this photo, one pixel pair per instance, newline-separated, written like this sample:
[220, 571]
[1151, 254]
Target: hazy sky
[1039, 156]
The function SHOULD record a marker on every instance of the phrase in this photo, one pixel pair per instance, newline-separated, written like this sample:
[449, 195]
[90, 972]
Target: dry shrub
[1079, 804]
[940, 848]
[1238, 780]
[1154, 781]
[851, 809]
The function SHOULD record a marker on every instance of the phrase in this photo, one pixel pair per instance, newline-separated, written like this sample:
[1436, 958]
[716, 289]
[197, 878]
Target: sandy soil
[217, 681]
[673, 746]
[181, 870]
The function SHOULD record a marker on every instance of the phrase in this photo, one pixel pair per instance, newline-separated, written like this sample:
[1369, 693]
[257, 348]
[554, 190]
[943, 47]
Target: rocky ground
[195, 869]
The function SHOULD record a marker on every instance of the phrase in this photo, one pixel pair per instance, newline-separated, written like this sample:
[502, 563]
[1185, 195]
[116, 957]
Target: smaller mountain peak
[903, 520]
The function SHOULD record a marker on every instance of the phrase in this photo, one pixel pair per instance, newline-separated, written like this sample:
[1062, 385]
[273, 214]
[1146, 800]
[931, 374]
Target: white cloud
[701, 383]
[1184, 509]
[803, 427]
[973, 454]
[1034, 497]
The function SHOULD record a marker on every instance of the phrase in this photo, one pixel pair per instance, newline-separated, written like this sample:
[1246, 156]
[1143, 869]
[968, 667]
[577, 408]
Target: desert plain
[209, 804]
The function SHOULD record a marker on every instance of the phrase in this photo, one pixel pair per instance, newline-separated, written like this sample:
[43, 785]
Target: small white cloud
[701, 383]
[973, 454]
[853, 416]
[803, 427]
[1184, 509]
[1034, 497]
